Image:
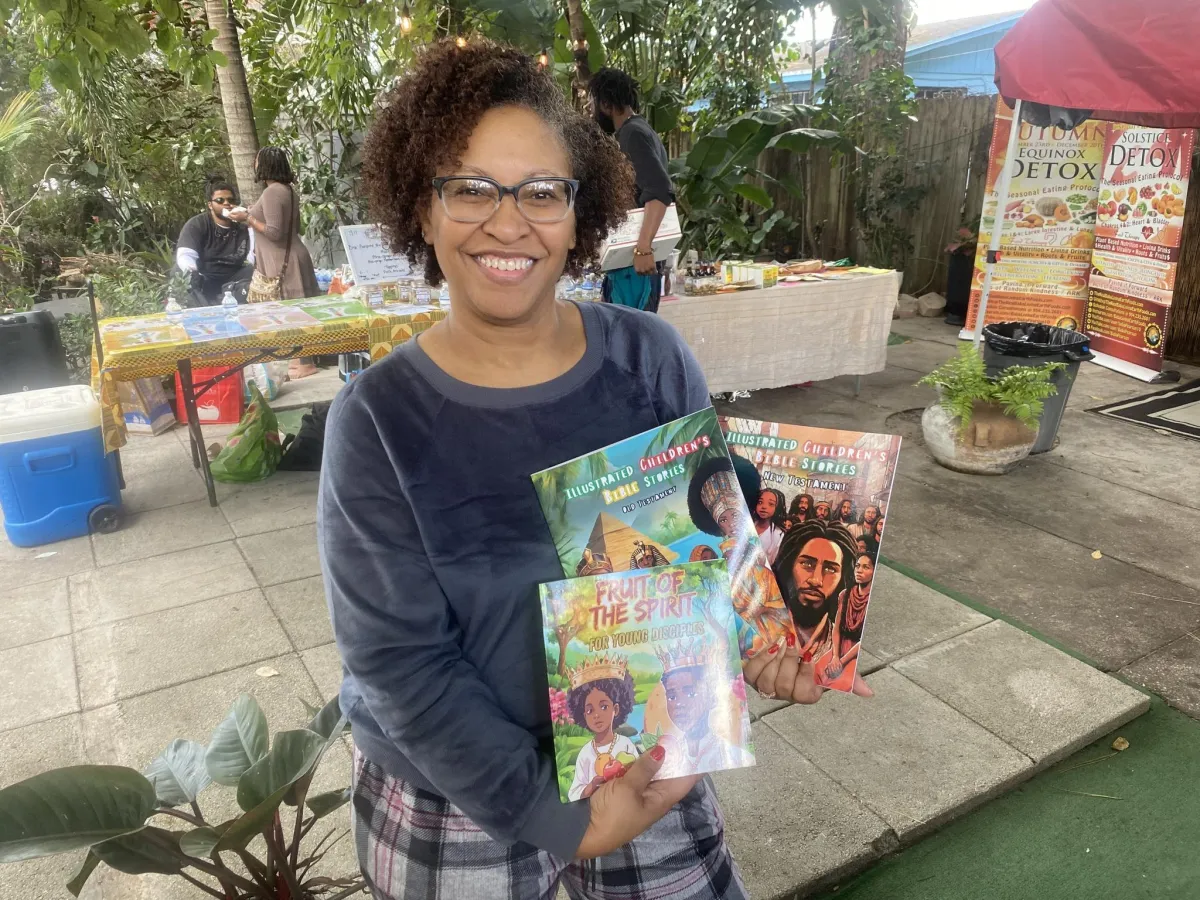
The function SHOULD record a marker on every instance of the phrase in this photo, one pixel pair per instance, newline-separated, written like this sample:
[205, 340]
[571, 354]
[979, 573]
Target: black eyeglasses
[474, 198]
[224, 201]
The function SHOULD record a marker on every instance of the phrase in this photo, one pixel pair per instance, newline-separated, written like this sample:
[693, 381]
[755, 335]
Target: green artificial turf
[1054, 839]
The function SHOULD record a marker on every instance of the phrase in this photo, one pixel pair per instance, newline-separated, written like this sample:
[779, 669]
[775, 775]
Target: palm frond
[19, 120]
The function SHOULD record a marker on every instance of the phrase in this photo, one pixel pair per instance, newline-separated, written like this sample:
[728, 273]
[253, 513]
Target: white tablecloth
[789, 334]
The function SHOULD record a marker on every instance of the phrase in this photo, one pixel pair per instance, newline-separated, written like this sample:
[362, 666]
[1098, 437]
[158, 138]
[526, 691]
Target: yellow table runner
[145, 346]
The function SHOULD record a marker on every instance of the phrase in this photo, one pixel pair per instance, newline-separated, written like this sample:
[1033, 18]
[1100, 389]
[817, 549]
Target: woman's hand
[781, 671]
[625, 807]
[239, 215]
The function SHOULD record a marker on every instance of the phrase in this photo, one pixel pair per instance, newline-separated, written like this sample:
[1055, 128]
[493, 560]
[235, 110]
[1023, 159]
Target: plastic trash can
[56, 481]
[1029, 344]
[31, 353]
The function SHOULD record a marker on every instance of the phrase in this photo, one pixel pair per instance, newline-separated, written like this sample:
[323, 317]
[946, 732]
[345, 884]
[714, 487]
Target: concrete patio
[112, 646]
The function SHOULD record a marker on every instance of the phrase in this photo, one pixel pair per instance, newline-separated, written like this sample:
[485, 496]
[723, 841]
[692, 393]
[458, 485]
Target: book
[643, 657]
[820, 512]
[667, 495]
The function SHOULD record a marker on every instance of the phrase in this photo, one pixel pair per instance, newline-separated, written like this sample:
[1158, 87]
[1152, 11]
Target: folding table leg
[199, 454]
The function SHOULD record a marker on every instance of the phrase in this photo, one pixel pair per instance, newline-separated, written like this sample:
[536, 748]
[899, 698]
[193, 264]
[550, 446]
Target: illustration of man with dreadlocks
[717, 507]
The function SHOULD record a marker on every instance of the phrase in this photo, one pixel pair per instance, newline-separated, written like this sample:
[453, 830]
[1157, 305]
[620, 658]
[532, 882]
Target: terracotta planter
[992, 445]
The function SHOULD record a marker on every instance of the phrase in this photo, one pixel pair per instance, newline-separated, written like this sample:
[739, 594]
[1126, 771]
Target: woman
[282, 264]
[431, 536]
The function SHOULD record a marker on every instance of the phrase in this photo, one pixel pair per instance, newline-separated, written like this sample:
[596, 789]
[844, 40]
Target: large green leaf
[250, 825]
[801, 140]
[179, 773]
[75, 885]
[148, 850]
[708, 154]
[322, 805]
[238, 742]
[293, 755]
[200, 842]
[66, 809]
[754, 194]
[329, 721]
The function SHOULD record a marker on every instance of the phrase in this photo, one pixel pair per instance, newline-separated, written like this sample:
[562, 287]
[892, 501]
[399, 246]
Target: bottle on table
[173, 310]
[230, 305]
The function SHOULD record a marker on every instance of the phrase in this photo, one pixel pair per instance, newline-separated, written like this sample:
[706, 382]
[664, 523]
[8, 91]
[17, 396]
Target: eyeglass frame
[232, 201]
[441, 181]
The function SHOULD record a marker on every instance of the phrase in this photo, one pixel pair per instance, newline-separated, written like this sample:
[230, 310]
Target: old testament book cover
[668, 495]
[819, 511]
[643, 657]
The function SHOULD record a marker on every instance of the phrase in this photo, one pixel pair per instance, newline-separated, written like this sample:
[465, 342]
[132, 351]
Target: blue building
[955, 56]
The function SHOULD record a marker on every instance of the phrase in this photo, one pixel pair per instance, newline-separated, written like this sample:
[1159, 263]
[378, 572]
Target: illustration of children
[600, 699]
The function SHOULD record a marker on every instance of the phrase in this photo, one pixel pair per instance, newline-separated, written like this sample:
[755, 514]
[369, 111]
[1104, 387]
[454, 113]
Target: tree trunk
[564, 638]
[235, 99]
[579, 49]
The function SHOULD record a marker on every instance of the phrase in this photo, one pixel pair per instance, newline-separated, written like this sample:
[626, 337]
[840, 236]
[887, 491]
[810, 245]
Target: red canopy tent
[1135, 61]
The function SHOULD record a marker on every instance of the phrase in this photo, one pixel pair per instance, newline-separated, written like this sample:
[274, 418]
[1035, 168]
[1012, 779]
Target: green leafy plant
[1020, 391]
[722, 193]
[119, 815]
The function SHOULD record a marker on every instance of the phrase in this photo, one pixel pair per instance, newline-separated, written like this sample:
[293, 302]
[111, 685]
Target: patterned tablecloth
[791, 333]
[145, 346]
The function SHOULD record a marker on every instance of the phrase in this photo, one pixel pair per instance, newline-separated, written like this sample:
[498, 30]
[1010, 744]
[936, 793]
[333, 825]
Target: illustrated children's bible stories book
[668, 495]
[642, 657]
[819, 511]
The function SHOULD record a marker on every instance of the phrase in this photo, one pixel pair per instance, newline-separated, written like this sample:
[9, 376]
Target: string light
[544, 59]
[406, 21]
[461, 41]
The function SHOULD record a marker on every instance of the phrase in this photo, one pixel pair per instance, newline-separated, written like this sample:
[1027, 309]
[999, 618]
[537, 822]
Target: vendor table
[790, 333]
[147, 346]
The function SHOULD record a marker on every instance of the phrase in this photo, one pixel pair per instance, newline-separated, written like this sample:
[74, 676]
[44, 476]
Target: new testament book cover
[819, 512]
[668, 495]
[642, 657]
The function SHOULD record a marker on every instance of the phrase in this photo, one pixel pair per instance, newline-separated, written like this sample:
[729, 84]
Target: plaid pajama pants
[414, 845]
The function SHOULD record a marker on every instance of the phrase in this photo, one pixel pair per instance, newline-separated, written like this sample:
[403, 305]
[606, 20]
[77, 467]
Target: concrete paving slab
[279, 556]
[134, 656]
[34, 613]
[1173, 672]
[905, 616]
[300, 606]
[33, 565]
[892, 389]
[811, 405]
[284, 500]
[1038, 699]
[24, 753]
[37, 682]
[909, 757]
[161, 582]
[1112, 612]
[868, 663]
[324, 385]
[160, 476]
[325, 666]
[1124, 453]
[920, 328]
[161, 531]
[817, 834]
[919, 356]
[1142, 530]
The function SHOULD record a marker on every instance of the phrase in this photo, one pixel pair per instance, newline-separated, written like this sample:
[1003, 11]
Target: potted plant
[982, 424]
[959, 268]
[151, 821]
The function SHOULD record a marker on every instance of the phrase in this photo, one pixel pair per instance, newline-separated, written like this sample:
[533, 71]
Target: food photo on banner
[1047, 223]
[1144, 183]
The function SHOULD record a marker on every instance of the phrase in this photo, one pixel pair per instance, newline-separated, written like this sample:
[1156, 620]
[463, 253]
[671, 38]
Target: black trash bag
[1029, 339]
[302, 452]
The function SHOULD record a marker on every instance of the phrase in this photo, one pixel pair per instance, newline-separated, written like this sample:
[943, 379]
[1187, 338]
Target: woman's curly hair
[619, 691]
[426, 120]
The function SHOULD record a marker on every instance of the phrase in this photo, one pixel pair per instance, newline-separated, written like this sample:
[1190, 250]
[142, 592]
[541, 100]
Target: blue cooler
[56, 482]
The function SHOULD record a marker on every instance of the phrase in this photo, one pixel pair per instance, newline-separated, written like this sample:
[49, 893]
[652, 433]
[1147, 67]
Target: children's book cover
[819, 511]
[668, 495]
[639, 658]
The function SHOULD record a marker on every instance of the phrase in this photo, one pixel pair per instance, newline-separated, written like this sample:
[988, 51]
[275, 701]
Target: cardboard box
[617, 251]
[145, 406]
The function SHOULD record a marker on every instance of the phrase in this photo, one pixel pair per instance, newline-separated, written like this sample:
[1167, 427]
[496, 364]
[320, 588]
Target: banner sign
[1047, 223]
[1139, 224]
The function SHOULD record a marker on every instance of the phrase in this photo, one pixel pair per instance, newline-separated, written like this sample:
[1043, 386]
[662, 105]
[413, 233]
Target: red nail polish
[791, 640]
[774, 648]
[658, 753]
[807, 657]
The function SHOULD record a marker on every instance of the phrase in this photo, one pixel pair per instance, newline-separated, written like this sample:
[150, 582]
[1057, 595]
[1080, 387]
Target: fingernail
[807, 657]
[658, 753]
[791, 640]
[774, 648]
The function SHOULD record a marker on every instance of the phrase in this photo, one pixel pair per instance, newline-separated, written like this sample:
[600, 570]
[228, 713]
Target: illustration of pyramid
[614, 539]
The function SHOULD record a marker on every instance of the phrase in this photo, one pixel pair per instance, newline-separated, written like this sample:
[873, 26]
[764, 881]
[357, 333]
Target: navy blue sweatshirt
[433, 544]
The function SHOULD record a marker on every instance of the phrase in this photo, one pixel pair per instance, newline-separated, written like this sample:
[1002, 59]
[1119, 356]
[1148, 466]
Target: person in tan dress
[276, 219]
